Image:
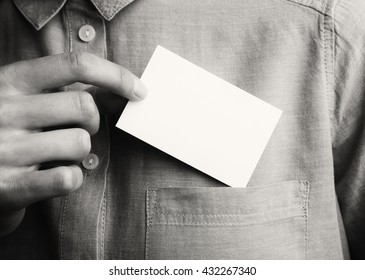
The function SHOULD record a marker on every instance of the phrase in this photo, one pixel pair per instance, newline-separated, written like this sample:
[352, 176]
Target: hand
[25, 110]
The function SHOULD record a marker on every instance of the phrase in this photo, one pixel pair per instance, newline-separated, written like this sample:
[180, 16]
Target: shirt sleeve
[348, 120]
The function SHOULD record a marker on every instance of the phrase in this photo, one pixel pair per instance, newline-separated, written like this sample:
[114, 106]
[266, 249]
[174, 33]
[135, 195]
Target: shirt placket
[82, 218]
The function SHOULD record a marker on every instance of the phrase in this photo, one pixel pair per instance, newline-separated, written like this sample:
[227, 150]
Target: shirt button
[86, 33]
[90, 162]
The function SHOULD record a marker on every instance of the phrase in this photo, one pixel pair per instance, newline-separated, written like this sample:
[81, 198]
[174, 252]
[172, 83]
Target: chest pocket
[263, 222]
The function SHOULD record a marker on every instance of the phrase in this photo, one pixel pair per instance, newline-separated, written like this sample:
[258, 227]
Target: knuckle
[83, 141]
[3, 114]
[86, 105]
[2, 150]
[6, 109]
[78, 62]
[5, 151]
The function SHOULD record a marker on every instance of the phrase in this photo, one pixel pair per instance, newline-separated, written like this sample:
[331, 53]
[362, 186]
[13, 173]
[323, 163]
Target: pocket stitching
[243, 219]
[150, 213]
[306, 184]
[303, 196]
[228, 224]
[148, 217]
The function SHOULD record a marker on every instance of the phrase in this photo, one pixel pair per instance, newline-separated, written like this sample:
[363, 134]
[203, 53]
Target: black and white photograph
[182, 130]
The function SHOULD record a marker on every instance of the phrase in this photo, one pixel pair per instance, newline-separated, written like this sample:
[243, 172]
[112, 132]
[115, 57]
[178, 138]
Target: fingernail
[141, 90]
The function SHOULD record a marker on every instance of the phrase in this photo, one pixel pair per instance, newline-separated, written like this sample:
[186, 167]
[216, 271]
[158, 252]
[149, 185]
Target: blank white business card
[200, 119]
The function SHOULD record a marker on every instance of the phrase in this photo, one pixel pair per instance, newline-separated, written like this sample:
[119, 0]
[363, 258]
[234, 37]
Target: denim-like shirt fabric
[306, 197]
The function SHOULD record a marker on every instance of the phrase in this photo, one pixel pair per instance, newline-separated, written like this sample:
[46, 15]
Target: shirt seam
[308, 5]
[327, 35]
[103, 208]
[329, 47]
[63, 226]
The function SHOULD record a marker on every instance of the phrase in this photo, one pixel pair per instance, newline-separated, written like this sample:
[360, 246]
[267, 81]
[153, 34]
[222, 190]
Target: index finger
[49, 72]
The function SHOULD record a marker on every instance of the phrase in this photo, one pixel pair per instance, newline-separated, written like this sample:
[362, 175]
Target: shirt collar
[39, 12]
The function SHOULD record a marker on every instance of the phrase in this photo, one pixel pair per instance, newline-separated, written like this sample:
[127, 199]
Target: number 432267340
[234, 270]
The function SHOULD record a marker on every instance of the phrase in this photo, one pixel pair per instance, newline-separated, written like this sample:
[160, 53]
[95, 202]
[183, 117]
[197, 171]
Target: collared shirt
[305, 57]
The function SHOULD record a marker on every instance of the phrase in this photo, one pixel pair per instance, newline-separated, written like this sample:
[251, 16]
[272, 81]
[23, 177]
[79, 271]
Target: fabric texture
[305, 57]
